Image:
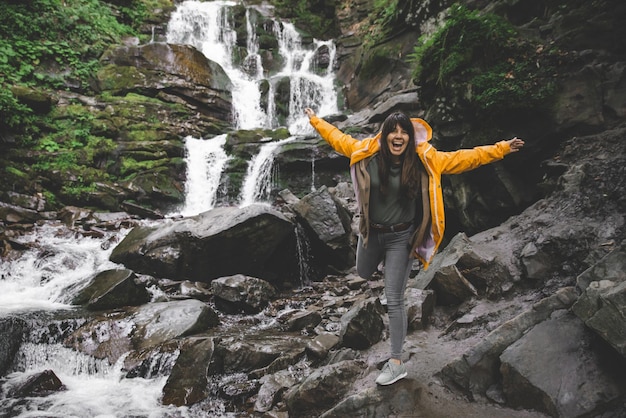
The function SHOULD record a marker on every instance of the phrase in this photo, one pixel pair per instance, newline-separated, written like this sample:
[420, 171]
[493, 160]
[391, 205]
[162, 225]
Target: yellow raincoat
[435, 162]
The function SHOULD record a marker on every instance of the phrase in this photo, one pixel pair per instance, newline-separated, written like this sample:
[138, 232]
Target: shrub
[483, 55]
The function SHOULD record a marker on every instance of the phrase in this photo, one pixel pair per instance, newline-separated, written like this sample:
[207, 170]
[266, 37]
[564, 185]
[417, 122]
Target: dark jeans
[393, 248]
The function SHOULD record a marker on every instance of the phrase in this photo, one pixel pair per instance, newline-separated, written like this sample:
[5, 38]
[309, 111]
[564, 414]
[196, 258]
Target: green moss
[377, 60]
[145, 133]
[481, 59]
[318, 17]
[130, 165]
[383, 16]
[12, 171]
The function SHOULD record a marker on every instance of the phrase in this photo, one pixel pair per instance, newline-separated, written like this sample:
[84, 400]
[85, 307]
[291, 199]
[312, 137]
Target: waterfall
[210, 27]
[205, 160]
[46, 277]
[303, 247]
[308, 89]
[258, 181]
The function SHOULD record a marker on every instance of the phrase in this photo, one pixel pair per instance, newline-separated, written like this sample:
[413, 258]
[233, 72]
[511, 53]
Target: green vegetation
[48, 46]
[481, 58]
[317, 17]
[384, 14]
[55, 44]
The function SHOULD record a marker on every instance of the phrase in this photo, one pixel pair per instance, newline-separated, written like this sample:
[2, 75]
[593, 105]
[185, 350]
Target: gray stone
[553, 368]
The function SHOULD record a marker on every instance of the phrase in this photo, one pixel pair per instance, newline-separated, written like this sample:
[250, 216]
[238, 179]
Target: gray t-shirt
[392, 208]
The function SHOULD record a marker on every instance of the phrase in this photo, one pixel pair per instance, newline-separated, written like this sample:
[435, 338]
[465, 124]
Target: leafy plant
[315, 17]
[482, 54]
[384, 14]
[50, 42]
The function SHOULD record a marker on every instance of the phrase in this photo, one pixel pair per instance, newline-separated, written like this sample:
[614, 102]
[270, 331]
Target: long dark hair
[411, 164]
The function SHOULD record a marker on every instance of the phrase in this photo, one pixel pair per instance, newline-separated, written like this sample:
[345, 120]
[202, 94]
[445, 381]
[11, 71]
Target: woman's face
[397, 141]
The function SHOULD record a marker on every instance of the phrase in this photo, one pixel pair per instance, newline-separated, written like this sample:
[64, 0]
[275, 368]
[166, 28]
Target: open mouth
[397, 145]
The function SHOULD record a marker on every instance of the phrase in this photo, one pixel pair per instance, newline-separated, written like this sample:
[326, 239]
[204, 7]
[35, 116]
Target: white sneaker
[391, 373]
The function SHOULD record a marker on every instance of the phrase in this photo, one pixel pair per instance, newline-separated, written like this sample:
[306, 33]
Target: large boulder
[141, 328]
[239, 293]
[175, 72]
[322, 388]
[220, 242]
[188, 382]
[479, 367]
[112, 289]
[556, 368]
[328, 223]
[602, 306]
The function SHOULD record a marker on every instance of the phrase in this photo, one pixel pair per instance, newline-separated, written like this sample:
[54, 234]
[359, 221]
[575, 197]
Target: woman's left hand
[309, 112]
[516, 144]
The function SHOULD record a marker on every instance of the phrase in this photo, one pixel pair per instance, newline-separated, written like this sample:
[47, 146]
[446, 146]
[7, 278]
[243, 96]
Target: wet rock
[362, 325]
[11, 214]
[74, 215]
[12, 331]
[196, 290]
[239, 293]
[32, 202]
[307, 319]
[153, 361]
[260, 354]
[400, 399]
[555, 368]
[38, 100]
[602, 305]
[217, 243]
[272, 387]
[328, 222]
[187, 383]
[112, 289]
[141, 211]
[322, 344]
[178, 70]
[139, 328]
[39, 384]
[478, 368]
[158, 322]
[322, 388]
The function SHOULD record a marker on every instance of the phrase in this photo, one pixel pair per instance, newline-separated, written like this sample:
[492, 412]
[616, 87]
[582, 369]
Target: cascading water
[40, 279]
[258, 182]
[210, 27]
[308, 88]
[42, 282]
[205, 161]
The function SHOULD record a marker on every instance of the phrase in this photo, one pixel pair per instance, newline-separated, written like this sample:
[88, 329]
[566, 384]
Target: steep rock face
[168, 71]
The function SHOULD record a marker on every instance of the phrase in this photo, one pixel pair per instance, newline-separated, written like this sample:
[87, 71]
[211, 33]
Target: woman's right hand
[309, 112]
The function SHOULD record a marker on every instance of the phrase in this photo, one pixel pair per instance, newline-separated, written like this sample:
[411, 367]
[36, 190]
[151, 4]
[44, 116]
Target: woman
[397, 180]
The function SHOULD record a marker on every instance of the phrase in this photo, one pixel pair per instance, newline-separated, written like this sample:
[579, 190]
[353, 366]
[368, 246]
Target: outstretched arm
[342, 143]
[462, 160]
